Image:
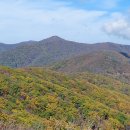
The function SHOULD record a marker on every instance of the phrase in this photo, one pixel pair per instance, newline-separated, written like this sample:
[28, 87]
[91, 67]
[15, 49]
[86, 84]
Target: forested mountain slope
[45, 99]
[106, 62]
[5, 47]
[50, 50]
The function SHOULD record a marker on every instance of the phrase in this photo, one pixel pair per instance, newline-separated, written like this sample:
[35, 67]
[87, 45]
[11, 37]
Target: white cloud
[20, 20]
[118, 25]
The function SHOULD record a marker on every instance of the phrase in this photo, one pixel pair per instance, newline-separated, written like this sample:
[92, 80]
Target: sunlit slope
[36, 96]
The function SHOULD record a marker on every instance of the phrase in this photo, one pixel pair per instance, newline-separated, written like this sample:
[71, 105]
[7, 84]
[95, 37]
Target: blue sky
[88, 21]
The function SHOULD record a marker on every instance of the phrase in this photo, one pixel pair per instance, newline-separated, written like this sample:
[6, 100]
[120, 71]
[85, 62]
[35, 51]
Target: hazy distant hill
[53, 49]
[106, 62]
[5, 47]
[41, 53]
[101, 61]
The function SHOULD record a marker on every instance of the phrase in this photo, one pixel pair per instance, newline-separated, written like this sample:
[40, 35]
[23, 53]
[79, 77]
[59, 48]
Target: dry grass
[12, 126]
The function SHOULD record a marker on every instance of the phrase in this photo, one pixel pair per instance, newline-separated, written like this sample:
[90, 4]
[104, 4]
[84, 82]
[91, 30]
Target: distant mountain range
[41, 53]
[50, 50]
[112, 63]
[101, 61]
[6, 47]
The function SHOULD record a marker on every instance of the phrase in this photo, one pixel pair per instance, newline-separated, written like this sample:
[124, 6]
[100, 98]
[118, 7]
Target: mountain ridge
[50, 50]
[112, 63]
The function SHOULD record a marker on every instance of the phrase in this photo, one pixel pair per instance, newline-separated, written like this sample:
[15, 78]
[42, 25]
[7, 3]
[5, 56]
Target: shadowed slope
[102, 61]
[106, 62]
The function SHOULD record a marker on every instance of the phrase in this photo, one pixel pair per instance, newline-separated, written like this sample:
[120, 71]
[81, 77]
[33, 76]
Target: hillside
[106, 62]
[5, 47]
[41, 53]
[50, 50]
[45, 99]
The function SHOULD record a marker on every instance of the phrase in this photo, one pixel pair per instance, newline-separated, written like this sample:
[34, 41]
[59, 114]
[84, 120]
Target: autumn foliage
[38, 98]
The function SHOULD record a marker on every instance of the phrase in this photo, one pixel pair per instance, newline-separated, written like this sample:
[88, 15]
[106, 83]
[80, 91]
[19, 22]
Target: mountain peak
[54, 38]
